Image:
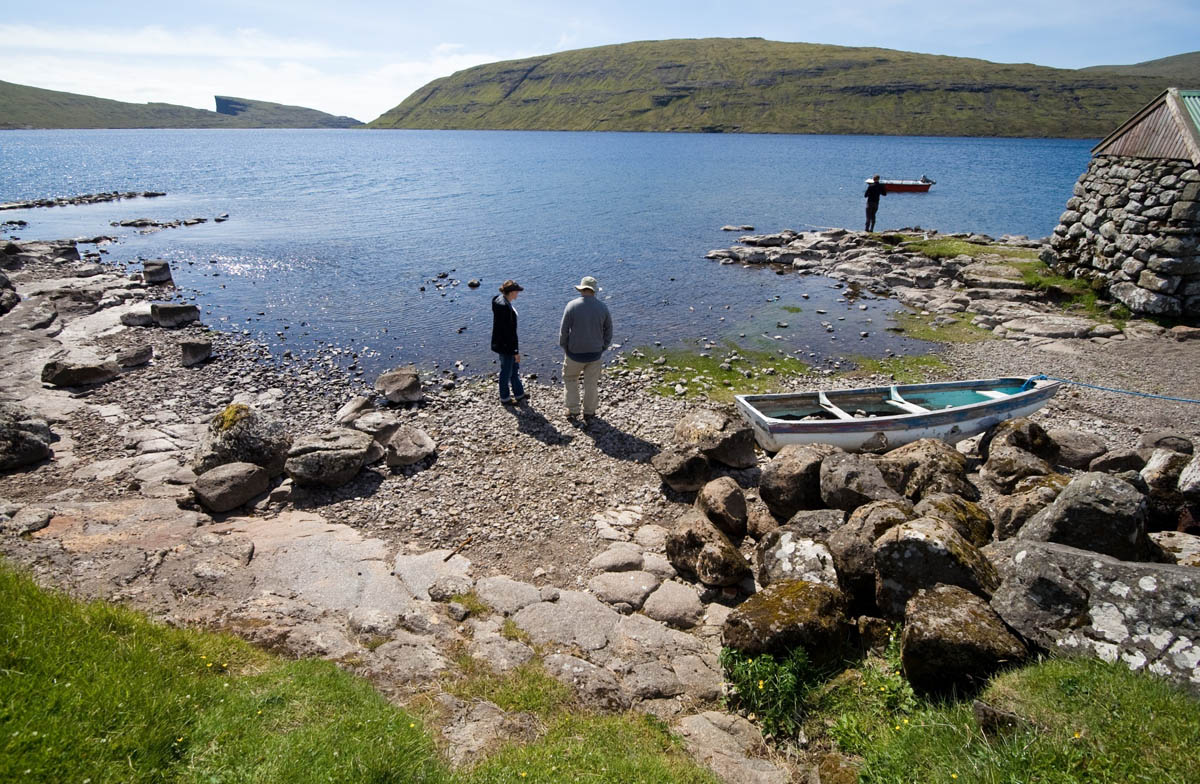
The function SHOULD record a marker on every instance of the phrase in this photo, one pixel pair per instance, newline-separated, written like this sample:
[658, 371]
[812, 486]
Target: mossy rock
[967, 517]
[787, 614]
[230, 416]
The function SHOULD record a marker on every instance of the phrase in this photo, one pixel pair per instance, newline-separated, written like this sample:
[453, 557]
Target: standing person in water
[504, 342]
[584, 334]
[874, 191]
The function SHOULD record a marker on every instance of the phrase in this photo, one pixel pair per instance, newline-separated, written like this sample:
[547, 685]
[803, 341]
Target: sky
[360, 58]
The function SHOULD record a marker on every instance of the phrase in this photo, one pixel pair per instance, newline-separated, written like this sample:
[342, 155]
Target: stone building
[1133, 225]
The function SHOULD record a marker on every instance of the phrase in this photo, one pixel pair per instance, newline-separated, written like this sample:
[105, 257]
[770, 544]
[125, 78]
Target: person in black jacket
[874, 191]
[504, 342]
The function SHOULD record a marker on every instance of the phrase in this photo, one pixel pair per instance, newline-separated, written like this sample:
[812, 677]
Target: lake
[337, 237]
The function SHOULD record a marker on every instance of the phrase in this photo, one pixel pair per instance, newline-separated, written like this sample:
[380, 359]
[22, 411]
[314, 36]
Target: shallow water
[333, 234]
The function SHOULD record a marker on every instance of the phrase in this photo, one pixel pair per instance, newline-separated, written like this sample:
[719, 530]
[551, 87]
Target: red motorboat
[906, 186]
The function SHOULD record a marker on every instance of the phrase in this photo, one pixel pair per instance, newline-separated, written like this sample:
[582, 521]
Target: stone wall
[1133, 228]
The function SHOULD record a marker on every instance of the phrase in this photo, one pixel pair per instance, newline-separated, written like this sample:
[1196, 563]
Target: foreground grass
[96, 692]
[749, 372]
[1081, 720]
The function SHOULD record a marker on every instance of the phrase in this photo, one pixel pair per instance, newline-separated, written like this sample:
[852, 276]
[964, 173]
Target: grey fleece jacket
[586, 329]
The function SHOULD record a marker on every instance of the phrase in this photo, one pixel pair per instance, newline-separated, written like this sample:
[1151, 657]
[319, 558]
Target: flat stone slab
[506, 595]
[724, 743]
[330, 566]
[417, 572]
[577, 618]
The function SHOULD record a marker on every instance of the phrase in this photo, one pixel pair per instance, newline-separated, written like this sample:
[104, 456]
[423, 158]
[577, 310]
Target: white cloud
[156, 41]
[363, 89]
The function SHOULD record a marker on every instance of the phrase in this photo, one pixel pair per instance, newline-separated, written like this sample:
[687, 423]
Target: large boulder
[401, 385]
[852, 546]
[922, 553]
[1077, 449]
[784, 554]
[970, 519]
[230, 485]
[792, 480]
[1095, 512]
[172, 315]
[788, 614]
[238, 434]
[927, 466]
[683, 469]
[24, 439]
[954, 641]
[1079, 602]
[723, 502]
[8, 295]
[817, 524]
[1118, 461]
[1015, 450]
[1189, 481]
[407, 445]
[157, 273]
[79, 374]
[1165, 439]
[1010, 512]
[850, 480]
[1161, 476]
[719, 436]
[696, 546]
[329, 459]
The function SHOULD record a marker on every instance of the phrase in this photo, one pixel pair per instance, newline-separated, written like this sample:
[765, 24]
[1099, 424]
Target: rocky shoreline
[569, 533]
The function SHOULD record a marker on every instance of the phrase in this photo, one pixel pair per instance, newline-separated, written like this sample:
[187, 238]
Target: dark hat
[510, 285]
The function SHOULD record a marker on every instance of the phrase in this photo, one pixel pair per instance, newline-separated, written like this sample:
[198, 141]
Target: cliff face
[752, 85]
[22, 106]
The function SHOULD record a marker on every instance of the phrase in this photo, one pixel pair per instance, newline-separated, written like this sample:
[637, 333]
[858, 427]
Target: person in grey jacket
[585, 333]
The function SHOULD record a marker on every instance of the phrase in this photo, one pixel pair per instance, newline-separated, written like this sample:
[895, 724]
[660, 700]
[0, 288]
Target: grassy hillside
[276, 115]
[1182, 70]
[752, 85]
[32, 107]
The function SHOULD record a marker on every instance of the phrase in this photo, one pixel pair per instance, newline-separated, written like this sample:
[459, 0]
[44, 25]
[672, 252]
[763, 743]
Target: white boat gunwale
[772, 432]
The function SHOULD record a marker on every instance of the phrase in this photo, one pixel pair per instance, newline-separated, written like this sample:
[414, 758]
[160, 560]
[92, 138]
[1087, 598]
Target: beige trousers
[590, 373]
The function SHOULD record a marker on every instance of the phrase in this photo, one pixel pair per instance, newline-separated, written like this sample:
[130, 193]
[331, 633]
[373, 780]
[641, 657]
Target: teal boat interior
[859, 404]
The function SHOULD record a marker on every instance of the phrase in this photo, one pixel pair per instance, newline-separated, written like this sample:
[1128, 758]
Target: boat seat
[993, 395]
[831, 408]
[894, 399]
[911, 408]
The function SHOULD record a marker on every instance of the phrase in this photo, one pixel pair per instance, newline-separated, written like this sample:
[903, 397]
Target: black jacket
[874, 191]
[504, 326]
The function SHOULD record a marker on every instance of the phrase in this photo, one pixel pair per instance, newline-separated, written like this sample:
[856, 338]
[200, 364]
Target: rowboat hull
[907, 186]
[879, 418]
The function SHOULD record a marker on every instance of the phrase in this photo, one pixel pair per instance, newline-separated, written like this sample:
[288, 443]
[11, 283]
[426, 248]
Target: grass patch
[474, 605]
[1073, 294]
[627, 748]
[948, 247]
[527, 688]
[960, 330]
[793, 308]
[773, 688]
[510, 631]
[91, 691]
[96, 692]
[701, 373]
[1088, 721]
[912, 369]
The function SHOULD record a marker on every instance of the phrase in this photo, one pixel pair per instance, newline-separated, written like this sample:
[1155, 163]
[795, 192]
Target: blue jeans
[509, 374]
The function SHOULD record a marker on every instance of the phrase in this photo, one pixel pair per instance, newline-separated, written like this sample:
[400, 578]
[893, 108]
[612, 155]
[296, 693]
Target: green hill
[752, 85]
[1183, 70]
[32, 107]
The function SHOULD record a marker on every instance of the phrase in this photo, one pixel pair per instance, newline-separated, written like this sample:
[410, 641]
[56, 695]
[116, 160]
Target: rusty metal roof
[1167, 127]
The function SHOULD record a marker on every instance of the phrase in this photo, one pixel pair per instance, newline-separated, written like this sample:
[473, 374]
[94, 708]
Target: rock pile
[913, 535]
[1133, 228]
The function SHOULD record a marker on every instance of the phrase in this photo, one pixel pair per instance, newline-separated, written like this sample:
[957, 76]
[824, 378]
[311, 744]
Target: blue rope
[1043, 376]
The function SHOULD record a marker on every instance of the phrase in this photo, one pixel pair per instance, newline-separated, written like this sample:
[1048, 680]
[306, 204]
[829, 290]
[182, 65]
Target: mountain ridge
[25, 107]
[759, 86]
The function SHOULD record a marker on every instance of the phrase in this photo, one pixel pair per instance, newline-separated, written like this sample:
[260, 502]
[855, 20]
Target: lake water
[332, 234]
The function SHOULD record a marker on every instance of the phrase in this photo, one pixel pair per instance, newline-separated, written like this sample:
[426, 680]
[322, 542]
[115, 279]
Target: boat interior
[867, 403]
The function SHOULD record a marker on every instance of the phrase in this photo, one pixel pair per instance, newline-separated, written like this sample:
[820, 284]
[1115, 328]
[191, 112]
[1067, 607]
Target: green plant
[230, 416]
[773, 688]
[473, 604]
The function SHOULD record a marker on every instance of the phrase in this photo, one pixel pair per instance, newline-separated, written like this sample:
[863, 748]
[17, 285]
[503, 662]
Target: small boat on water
[907, 186]
[879, 418]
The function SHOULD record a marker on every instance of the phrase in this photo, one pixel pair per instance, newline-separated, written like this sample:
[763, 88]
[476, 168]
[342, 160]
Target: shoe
[519, 398]
[508, 401]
